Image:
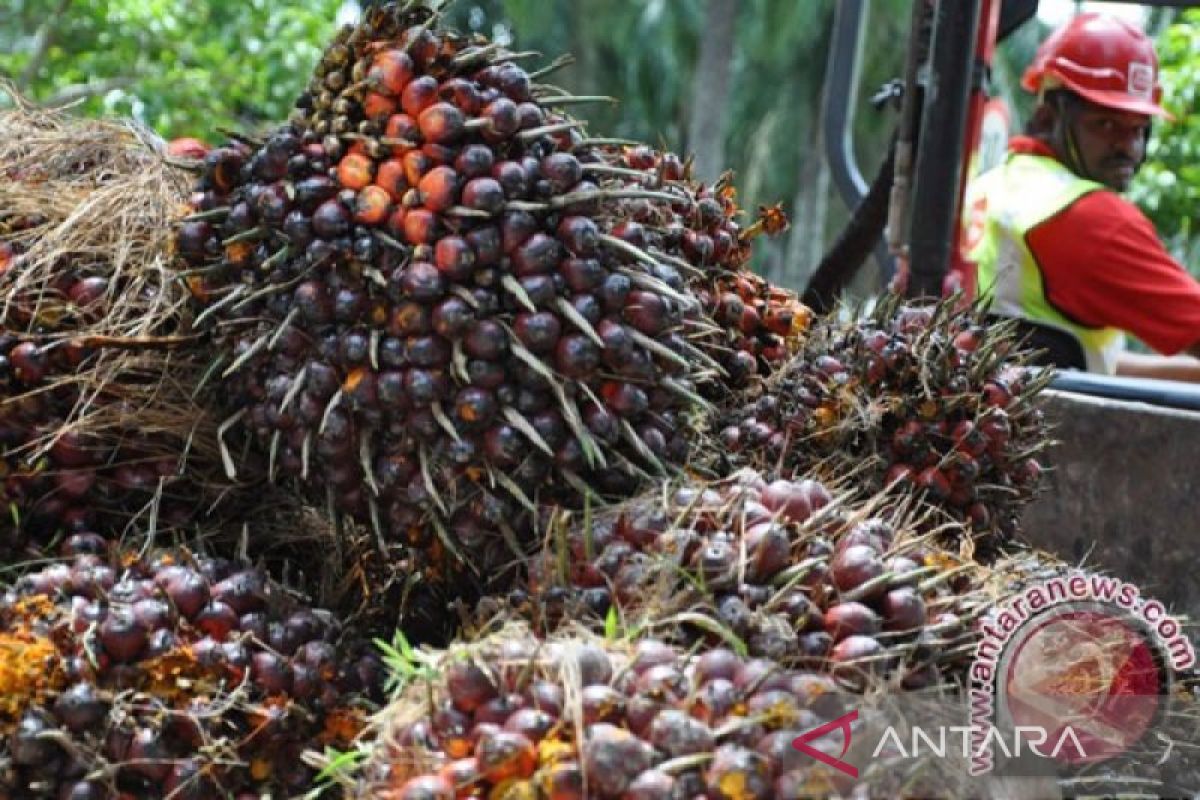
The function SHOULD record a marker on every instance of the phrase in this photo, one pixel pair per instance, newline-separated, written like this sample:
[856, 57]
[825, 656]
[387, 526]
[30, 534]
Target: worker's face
[1111, 143]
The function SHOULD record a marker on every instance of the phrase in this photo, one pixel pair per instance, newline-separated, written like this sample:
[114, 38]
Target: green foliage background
[195, 68]
[1168, 187]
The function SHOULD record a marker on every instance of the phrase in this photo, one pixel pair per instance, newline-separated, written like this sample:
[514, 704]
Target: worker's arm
[1166, 368]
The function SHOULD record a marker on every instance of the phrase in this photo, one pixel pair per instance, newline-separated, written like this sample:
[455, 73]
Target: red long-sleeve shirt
[1103, 265]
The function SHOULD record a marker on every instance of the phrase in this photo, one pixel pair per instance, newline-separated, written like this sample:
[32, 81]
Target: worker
[1055, 244]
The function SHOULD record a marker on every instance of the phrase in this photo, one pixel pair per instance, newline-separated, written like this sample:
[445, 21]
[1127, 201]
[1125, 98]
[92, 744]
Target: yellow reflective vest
[1002, 206]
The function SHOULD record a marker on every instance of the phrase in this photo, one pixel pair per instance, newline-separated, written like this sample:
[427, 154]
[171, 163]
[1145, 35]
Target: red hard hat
[1103, 59]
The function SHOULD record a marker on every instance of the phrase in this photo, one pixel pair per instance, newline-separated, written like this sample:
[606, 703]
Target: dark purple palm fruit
[448, 272]
[960, 425]
[73, 657]
[623, 719]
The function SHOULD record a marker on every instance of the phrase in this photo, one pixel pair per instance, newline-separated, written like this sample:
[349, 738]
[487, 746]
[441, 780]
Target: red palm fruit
[487, 244]
[1026, 472]
[425, 787]
[903, 610]
[390, 177]
[613, 757]
[538, 331]
[462, 93]
[122, 638]
[996, 394]
[855, 656]
[475, 407]
[901, 476]
[934, 481]
[563, 780]
[504, 755]
[486, 340]
[468, 686]
[29, 362]
[216, 620]
[737, 773]
[441, 123]
[475, 161]
[402, 126]
[671, 167]
[580, 235]
[562, 171]
[439, 188]
[378, 106]
[149, 755]
[515, 228]
[530, 115]
[576, 355]
[421, 226]
[512, 81]
[86, 292]
[331, 220]
[856, 565]
[995, 426]
[583, 275]
[625, 399]
[355, 171]
[483, 194]
[391, 71]
[454, 258]
[75, 483]
[418, 95]
[851, 619]
[188, 592]
[511, 177]
[416, 164]
[502, 117]
[373, 205]
[539, 255]
[647, 312]
[786, 498]
[395, 221]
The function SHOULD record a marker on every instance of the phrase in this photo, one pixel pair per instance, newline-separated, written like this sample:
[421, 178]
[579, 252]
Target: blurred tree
[1168, 186]
[185, 69]
[193, 68]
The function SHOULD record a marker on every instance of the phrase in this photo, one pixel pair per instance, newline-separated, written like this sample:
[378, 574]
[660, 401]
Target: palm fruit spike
[93, 432]
[166, 676]
[573, 717]
[931, 401]
[780, 569]
[429, 314]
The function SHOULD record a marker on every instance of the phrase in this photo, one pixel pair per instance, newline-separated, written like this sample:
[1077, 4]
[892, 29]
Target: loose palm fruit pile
[97, 418]
[924, 400]
[780, 568]
[441, 304]
[167, 676]
[578, 717]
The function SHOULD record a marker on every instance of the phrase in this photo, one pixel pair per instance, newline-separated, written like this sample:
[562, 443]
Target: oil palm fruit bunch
[576, 717]
[434, 301]
[924, 400]
[96, 416]
[782, 569]
[168, 676]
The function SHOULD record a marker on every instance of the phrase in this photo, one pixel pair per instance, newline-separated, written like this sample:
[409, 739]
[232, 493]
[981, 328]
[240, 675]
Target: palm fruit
[168, 676]
[435, 299]
[97, 419]
[782, 569]
[575, 717]
[923, 400]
